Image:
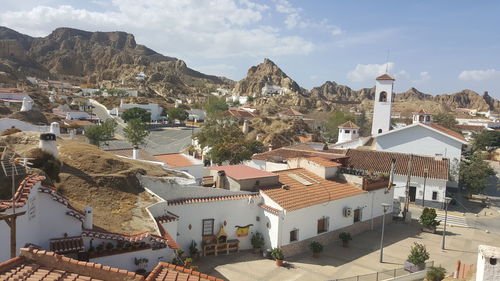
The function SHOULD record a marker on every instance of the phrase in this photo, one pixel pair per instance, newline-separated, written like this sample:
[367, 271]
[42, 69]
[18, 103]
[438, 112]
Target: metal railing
[381, 275]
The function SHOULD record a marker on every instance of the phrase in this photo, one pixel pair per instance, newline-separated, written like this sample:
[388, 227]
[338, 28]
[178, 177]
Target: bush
[193, 250]
[257, 240]
[428, 218]
[418, 254]
[345, 237]
[316, 247]
[435, 273]
[46, 162]
[277, 254]
[109, 246]
[136, 113]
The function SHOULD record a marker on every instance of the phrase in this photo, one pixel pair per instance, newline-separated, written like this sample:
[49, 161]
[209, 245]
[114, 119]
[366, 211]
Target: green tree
[215, 106]
[332, 124]
[226, 141]
[109, 127]
[446, 120]
[474, 172]
[177, 114]
[136, 132]
[136, 113]
[363, 123]
[96, 134]
[485, 139]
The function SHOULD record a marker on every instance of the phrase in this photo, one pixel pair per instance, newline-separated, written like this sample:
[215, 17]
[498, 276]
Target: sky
[435, 46]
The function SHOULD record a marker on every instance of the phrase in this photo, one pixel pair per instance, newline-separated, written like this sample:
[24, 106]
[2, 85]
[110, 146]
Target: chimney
[48, 144]
[27, 105]
[245, 127]
[54, 129]
[89, 217]
[220, 180]
[135, 152]
[270, 147]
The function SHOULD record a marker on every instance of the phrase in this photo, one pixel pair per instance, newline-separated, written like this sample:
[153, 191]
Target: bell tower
[382, 105]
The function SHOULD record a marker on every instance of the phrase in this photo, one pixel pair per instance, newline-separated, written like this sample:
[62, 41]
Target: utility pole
[407, 191]
[426, 172]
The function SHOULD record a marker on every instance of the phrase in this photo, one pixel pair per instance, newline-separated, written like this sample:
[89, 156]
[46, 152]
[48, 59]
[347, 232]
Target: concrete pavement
[362, 256]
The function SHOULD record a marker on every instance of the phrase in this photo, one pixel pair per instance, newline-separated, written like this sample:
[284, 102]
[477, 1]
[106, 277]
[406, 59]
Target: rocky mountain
[267, 75]
[97, 56]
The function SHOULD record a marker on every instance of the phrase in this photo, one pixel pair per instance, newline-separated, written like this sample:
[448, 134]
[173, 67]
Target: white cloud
[424, 76]
[479, 75]
[294, 19]
[225, 28]
[368, 72]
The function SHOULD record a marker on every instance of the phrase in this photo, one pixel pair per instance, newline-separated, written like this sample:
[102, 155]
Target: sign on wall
[242, 231]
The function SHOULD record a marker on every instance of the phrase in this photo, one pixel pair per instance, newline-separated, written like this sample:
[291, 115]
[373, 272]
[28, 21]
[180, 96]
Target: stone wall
[332, 236]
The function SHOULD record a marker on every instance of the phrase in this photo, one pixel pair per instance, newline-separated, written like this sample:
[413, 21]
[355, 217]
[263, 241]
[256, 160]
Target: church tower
[381, 121]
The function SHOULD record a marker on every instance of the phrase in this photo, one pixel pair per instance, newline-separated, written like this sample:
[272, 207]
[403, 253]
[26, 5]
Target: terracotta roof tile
[269, 208]
[174, 160]
[284, 153]
[40, 265]
[137, 237]
[446, 131]
[240, 113]
[349, 124]
[385, 77]
[22, 192]
[66, 245]
[193, 200]
[165, 271]
[324, 162]
[241, 172]
[470, 127]
[380, 162]
[296, 195]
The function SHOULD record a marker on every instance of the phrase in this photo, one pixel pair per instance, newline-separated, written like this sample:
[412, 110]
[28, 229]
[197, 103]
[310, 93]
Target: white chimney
[54, 129]
[135, 153]
[89, 217]
[72, 133]
[27, 104]
[245, 127]
[48, 144]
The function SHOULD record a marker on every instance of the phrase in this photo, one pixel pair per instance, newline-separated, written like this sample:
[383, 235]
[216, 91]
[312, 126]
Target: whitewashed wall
[7, 123]
[420, 140]
[432, 185]
[127, 260]
[44, 219]
[235, 212]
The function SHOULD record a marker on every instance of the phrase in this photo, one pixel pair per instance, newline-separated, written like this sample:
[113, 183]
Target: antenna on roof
[387, 61]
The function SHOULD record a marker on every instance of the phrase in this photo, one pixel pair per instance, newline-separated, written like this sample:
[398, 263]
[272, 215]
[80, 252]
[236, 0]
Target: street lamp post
[426, 172]
[447, 201]
[385, 206]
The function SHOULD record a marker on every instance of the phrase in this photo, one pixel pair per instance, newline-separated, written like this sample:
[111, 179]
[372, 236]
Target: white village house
[152, 108]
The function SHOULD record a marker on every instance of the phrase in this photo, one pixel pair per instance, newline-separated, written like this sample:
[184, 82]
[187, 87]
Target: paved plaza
[362, 256]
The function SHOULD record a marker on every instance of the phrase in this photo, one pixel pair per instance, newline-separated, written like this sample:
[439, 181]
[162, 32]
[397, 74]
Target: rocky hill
[95, 56]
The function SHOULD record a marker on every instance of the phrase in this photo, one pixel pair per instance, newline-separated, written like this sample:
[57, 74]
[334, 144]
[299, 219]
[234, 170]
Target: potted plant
[141, 263]
[277, 254]
[257, 242]
[428, 220]
[316, 248]
[435, 273]
[193, 250]
[417, 257]
[345, 237]
[187, 262]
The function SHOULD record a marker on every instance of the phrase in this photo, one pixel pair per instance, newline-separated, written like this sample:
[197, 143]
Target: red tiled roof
[168, 272]
[22, 193]
[349, 124]
[210, 199]
[324, 162]
[172, 244]
[174, 160]
[38, 265]
[168, 217]
[470, 127]
[284, 153]
[380, 162]
[66, 245]
[385, 77]
[296, 195]
[269, 208]
[446, 131]
[137, 237]
[241, 172]
[241, 113]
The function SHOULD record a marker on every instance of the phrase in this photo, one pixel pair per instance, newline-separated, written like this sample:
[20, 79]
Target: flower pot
[413, 267]
[279, 262]
[429, 229]
[315, 255]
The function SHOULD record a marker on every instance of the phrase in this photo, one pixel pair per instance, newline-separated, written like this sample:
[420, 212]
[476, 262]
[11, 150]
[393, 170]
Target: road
[163, 140]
